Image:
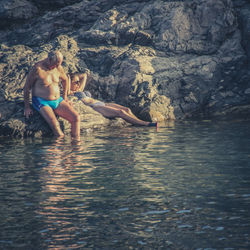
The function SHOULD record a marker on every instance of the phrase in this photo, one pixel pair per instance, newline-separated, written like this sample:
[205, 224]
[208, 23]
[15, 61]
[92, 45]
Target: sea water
[185, 185]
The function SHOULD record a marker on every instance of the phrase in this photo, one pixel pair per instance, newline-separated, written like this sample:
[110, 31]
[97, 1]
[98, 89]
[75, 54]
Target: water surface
[183, 186]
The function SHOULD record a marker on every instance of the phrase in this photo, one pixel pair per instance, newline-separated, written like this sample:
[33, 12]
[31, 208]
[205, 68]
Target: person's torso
[47, 84]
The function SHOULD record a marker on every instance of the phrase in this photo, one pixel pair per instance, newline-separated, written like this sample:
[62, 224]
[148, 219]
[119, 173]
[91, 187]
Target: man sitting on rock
[43, 79]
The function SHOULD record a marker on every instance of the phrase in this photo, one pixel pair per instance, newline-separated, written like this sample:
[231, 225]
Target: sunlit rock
[165, 60]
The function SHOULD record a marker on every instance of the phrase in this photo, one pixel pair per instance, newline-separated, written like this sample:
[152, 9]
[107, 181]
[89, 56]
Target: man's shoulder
[62, 72]
[36, 66]
[35, 69]
[60, 68]
[39, 65]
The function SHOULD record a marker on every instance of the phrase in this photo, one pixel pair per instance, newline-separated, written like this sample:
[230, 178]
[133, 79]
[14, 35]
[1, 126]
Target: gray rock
[14, 11]
[164, 59]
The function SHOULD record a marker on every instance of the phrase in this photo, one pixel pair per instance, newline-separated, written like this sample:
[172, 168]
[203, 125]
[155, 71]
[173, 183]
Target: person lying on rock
[77, 82]
[43, 80]
[108, 110]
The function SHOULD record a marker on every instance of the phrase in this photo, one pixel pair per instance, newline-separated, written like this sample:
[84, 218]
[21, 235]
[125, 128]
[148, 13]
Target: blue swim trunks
[39, 102]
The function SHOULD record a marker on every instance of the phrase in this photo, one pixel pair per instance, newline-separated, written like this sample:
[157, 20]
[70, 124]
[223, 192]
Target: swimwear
[85, 94]
[97, 104]
[81, 95]
[39, 102]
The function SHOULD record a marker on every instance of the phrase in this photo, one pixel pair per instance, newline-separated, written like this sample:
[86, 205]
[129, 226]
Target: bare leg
[48, 114]
[117, 106]
[66, 111]
[111, 112]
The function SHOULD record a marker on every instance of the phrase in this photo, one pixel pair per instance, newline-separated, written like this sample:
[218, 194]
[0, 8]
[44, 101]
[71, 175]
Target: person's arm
[83, 80]
[65, 83]
[69, 85]
[26, 92]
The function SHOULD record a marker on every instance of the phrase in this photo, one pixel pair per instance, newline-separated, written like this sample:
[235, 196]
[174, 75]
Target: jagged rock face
[163, 59]
[48, 4]
[12, 11]
[196, 27]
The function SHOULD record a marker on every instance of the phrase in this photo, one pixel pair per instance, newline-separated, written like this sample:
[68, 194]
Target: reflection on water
[185, 186]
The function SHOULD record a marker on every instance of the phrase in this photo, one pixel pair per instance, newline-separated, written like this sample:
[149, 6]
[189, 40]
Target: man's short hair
[54, 56]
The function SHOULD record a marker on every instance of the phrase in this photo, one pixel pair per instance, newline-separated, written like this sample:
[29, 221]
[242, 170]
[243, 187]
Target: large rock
[244, 19]
[55, 4]
[163, 59]
[194, 27]
[14, 11]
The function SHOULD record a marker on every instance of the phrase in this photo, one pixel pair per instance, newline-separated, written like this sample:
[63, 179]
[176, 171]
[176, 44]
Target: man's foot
[58, 135]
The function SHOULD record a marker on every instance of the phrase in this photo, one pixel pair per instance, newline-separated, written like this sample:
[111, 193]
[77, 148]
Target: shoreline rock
[166, 60]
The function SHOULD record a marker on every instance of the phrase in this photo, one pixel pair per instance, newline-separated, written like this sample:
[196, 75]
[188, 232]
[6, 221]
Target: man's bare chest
[47, 78]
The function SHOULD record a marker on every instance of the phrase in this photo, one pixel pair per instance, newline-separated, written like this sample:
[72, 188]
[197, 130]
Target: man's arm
[26, 92]
[65, 83]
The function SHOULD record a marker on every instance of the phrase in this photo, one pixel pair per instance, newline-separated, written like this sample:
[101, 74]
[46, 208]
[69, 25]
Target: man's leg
[48, 114]
[66, 111]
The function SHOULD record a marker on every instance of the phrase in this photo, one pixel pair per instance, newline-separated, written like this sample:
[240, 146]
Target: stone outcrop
[164, 59]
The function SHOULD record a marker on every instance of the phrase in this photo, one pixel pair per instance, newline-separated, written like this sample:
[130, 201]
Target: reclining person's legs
[111, 112]
[117, 106]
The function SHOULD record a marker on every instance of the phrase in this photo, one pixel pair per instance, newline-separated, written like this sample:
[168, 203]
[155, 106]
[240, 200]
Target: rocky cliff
[163, 59]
